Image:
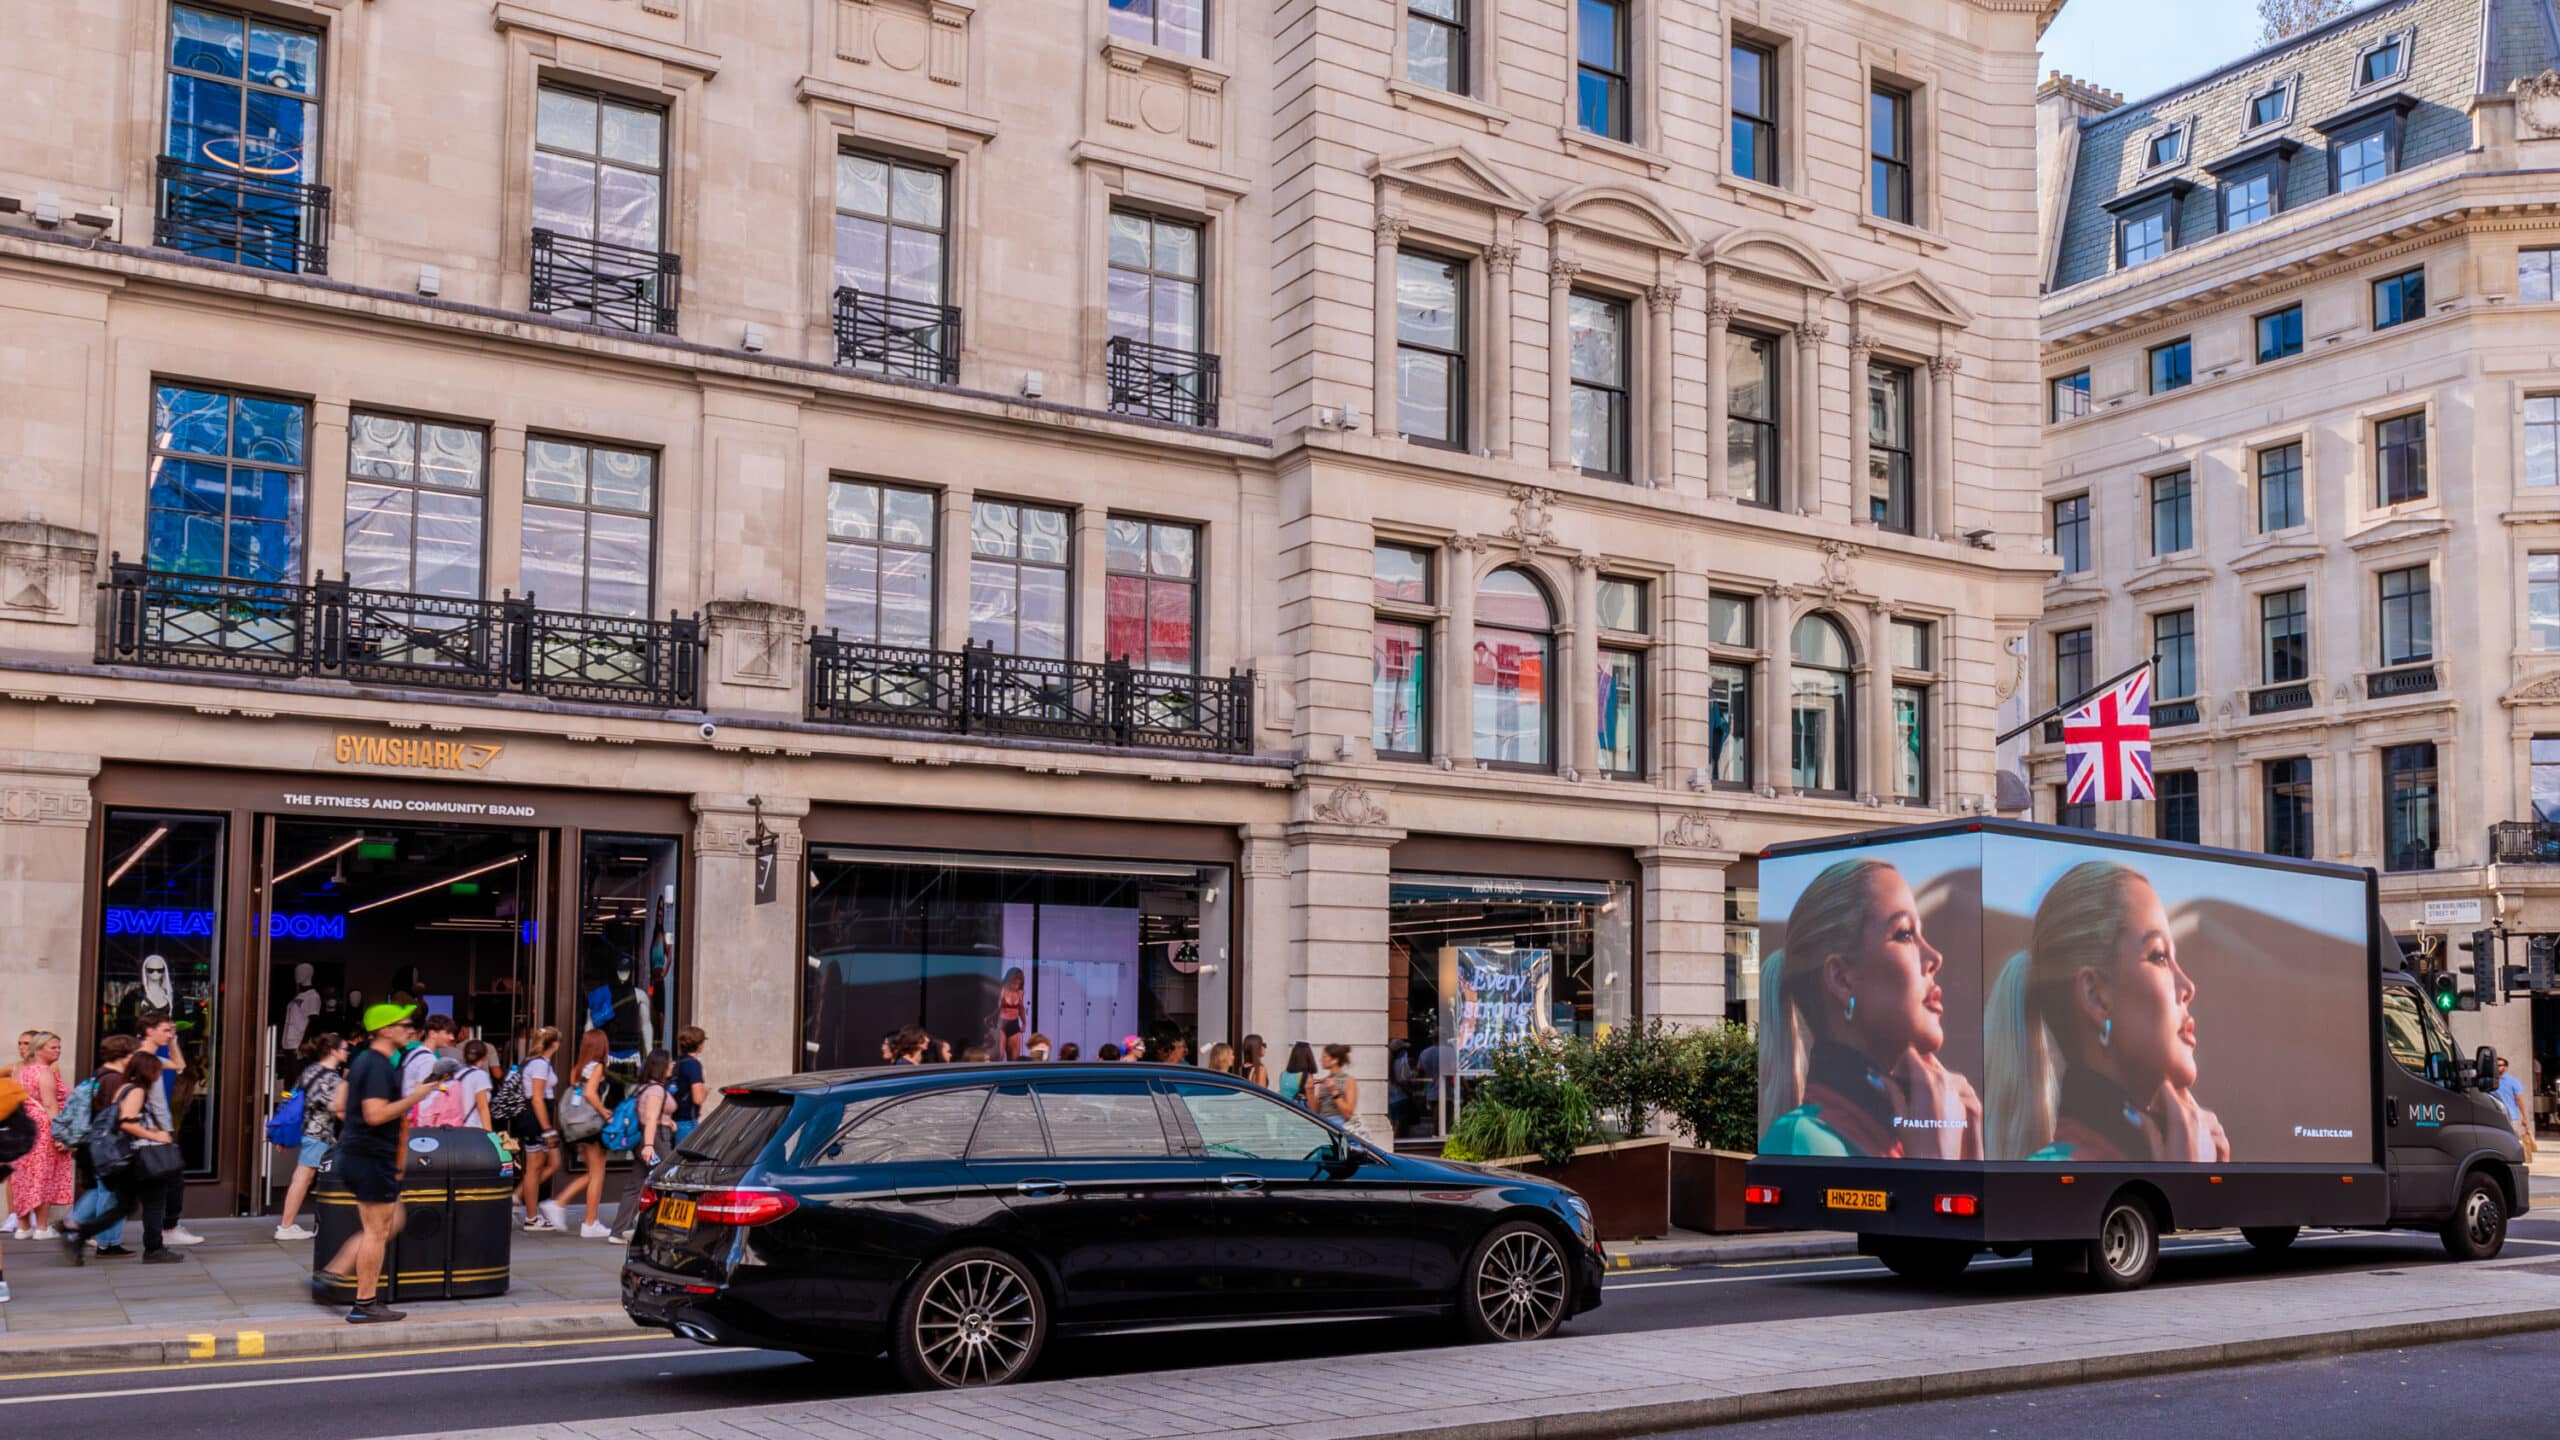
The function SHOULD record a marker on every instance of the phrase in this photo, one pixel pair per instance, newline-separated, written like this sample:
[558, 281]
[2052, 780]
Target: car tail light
[1760, 1195]
[648, 1196]
[1963, 1205]
[744, 1207]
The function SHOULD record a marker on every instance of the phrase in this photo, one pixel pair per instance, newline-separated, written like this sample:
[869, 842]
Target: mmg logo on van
[2427, 1115]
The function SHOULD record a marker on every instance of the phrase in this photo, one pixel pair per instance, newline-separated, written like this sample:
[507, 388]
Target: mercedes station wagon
[960, 1215]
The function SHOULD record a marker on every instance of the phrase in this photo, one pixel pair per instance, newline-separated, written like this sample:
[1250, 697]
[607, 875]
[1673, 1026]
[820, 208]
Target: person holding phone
[369, 1151]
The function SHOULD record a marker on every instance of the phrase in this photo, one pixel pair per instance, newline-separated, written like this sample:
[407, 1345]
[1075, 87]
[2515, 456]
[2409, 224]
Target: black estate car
[962, 1214]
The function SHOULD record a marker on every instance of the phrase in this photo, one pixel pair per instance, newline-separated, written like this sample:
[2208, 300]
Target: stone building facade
[638, 513]
[2300, 447]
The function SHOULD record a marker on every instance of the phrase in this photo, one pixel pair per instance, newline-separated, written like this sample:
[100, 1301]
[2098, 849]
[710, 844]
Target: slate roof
[2456, 48]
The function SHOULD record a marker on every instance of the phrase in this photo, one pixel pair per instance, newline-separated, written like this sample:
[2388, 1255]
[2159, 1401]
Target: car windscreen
[737, 1129]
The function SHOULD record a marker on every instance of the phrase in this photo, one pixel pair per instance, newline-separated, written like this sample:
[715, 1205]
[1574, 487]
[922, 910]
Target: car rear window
[1095, 1118]
[1009, 1129]
[925, 1127]
[737, 1129]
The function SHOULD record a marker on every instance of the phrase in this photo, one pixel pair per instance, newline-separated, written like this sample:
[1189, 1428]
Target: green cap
[386, 1014]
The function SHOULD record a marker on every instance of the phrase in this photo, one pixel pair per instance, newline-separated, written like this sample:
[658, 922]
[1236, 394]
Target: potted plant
[1716, 1106]
[1574, 1111]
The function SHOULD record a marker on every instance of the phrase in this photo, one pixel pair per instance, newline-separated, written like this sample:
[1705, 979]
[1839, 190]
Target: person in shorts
[368, 1159]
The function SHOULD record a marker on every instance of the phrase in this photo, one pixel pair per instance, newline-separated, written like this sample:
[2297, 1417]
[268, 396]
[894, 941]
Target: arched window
[1515, 644]
[1824, 749]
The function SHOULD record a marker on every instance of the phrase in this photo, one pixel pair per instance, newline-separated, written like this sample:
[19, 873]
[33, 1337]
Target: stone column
[1561, 273]
[1338, 990]
[45, 815]
[1262, 967]
[1454, 728]
[1877, 713]
[1499, 296]
[1390, 230]
[326, 499]
[1582, 678]
[1942, 523]
[1807, 470]
[1683, 913]
[746, 984]
[1090, 640]
[1720, 315]
[1777, 736]
[1862, 349]
[951, 582]
[506, 511]
[1662, 309]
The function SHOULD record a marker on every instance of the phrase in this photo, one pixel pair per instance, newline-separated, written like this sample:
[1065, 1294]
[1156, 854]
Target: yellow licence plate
[676, 1212]
[1854, 1200]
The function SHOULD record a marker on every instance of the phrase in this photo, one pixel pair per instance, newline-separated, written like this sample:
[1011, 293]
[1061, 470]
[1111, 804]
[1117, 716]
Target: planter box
[1627, 1185]
[1706, 1190]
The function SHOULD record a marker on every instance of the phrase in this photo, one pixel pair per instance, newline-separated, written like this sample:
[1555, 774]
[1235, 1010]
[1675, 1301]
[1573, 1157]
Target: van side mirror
[2484, 1069]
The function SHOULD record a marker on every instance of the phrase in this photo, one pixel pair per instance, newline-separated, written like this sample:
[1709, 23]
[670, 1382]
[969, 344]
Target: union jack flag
[2106, 744]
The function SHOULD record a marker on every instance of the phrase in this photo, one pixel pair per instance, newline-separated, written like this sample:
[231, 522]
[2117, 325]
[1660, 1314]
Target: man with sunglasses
[369, 1150]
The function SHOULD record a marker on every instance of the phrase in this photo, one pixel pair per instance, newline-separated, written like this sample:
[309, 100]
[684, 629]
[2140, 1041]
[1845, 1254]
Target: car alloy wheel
[973, 1320]
[1519, 1284]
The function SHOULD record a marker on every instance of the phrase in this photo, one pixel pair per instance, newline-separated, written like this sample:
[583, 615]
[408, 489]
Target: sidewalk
[1614, 1385]
[242, 1293]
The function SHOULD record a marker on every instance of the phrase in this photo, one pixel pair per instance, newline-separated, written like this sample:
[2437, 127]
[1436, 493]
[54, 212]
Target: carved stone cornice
[1351, 803]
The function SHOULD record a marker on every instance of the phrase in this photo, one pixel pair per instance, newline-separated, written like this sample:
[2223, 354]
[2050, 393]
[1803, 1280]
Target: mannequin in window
[300, 1011]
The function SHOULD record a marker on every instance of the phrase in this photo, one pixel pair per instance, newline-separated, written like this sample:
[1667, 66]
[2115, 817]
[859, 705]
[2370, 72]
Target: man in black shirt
[369, 1150]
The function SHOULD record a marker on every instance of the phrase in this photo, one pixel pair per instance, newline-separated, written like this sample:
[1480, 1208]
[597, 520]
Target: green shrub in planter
[1528, 1104]
[1629, 1073]
[1717, 1092]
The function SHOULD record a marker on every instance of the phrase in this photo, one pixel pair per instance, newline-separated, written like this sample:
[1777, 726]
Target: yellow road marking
[202, 1347]
[1626, 1267]
[252, 1344]
[338, 1355]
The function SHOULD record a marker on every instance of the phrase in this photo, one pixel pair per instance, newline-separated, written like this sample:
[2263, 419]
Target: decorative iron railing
[2169, 714]
[901, 337]
[2276, 699]
[978, 691]
[332, 630]
[596, 281]
[1161, 383]
[2403, 680]
[2524, 842]
[246, 219]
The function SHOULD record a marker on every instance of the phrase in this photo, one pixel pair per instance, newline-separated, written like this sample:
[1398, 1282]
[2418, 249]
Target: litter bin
[458, 1189]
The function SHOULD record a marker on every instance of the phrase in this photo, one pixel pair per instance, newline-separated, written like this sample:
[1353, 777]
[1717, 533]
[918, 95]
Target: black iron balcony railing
[2415, 679]
[1161, 383]
[902, 337]
[2525, 842]
[978, 691]
[2170, 714]
[332, 630]
[226, 214]
[2276, 699]
[602, 283]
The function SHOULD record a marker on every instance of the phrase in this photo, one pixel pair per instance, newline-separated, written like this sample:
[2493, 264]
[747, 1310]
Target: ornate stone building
[2303, 423]
[1155, 518]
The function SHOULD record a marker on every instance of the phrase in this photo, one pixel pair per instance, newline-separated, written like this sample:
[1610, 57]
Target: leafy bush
[1530, 1103]
[1629, 1073]
[1716, 1099]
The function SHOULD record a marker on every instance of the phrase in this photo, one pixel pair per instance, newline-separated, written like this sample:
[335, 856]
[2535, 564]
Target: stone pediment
[2398, 530]
[1453, 172]
[1908, 292]
[2076, 596]
[1770, 255]
[2169, 577]
[2533, 690]
[1620, 211]
[2269, 557]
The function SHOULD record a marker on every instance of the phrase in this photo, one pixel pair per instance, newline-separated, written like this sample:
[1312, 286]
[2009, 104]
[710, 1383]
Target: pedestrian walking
[369, 1156]
[1036, 1048]
[134, 1156]
[581, 1125]
[41, 1178]
[1173, 1051]
[82, 1114]
[909, 1045]
[1298, 1073]
[1334, 1095]
[419, 1060]
[653, 1106]
[690, 1091]
[540, 1085]
[324, 1059]
[1249, 1063]
[1222, 1058]
[159, 1036]
[17, 1139]
[477, 1083]
[2511, 1093]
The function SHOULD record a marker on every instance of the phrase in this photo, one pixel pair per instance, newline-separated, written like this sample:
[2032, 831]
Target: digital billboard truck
[1989, 1035]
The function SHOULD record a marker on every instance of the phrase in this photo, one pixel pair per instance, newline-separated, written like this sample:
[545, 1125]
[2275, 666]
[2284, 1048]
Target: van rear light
[1960, 1205]
[1760, 1195]
[744, 1207]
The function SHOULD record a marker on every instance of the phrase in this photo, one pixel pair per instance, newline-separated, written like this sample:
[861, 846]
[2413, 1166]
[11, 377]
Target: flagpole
[2074, 703]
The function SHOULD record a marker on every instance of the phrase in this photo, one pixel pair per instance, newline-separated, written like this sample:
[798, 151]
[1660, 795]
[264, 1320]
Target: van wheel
[1926, 1261]
[973, 1318]
[2127, 1249]
[1516, 1285]
[2478, 1229]
[2270, 1239]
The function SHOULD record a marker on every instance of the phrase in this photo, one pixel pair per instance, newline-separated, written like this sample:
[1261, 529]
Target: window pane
[1428, 48]
[1729, 620]
[1621, 683]
[622, 480]
[1508, 598]
[379, 532]
[1621, 604]
[994, 528]
[1598, 341]
[566, 121]
[1729, 702]
[617, 565]
[632, 135]
[207, 42]
[928, 1127]
[1399, 573]
[1173, 551]
[1911, 645]
[1009, 1128]
[449, 540]
[1096, 1118]
[1596, 34]
[1910, 742]
[1125, 546]
[1044, 614]
[1246, 1126]
[1819, 642]
[1044, 534]
[1425, 387]
[1398, 676]
[564, 195]
[1510, 691]
[554, 564]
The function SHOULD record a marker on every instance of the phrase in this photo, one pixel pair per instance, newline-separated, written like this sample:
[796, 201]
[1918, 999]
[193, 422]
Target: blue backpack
[622, 1130]
[286, 1128]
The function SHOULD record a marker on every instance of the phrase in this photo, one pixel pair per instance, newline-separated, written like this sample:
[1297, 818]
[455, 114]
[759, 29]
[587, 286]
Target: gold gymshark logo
[404, 752]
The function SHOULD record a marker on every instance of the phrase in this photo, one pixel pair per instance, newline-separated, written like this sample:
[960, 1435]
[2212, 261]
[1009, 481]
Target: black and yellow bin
[457, 1187]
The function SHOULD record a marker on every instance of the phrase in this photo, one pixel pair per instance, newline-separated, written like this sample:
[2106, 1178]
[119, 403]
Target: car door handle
[1242, 1184]
[1040, 1189]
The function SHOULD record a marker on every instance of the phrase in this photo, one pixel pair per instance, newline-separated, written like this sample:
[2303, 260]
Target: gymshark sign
[408, 752]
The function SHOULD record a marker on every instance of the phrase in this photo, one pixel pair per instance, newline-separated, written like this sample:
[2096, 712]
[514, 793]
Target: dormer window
[2267, 108]
[2380, 63]
[2167, 148]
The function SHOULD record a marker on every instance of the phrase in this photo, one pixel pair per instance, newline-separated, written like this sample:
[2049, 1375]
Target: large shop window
[160, 937]
[985, 950]
[226, 489]
[1514, 641]
[1474, 964]
[627, 943]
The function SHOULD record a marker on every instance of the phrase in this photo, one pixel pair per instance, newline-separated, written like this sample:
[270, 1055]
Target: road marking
[367, 1375]
[202, 1347]
[252, 1344]
[2171, 1248]
[336, 1356]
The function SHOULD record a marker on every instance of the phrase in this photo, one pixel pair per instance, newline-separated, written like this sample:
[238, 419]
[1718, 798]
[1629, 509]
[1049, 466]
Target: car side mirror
[1348, 1155]
[2484, 1068]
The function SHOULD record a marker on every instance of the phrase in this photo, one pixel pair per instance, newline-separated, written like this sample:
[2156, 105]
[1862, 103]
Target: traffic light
[2458, 986]
[2441, 985]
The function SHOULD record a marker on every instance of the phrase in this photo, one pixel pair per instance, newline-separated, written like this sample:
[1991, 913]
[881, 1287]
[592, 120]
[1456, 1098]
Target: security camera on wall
[708, 730]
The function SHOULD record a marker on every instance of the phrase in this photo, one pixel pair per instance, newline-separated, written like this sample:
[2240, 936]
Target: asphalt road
[2481, 1387]
[338, 1398]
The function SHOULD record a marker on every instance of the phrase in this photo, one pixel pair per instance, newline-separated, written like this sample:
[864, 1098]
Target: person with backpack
[314, 1129]
[134, 1156]
[525, 1102]
[644, 1124]
[80, 1113]
[581, 1126]
[690, 1090]
[476, 1084]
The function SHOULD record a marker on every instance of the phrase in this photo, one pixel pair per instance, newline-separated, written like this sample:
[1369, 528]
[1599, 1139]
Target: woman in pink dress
[42, 1178]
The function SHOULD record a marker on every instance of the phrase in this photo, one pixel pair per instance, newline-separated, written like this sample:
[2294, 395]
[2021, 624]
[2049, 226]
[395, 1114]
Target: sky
[2141, 47]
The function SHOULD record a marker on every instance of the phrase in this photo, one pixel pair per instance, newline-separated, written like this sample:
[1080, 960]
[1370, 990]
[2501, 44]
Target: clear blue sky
[2141, 47]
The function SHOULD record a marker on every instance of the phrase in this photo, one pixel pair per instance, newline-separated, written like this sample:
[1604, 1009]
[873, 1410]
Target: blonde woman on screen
[1852, 1020]
[2090, 1033]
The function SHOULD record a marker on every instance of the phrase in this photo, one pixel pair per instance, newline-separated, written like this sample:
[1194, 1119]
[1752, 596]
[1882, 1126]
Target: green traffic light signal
[2446, 989]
